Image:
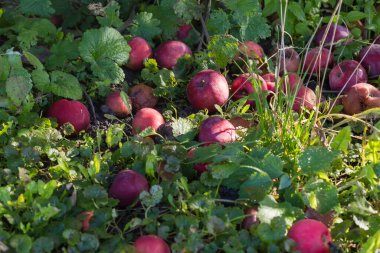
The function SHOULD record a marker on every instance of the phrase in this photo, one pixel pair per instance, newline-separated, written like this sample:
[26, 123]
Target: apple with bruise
[70, 111]
[117, 105]
[334, 34]
[147, 117]
[361, 97]
[245, 84]
[207, 89]
[140, 50]
[127, 186]
[317, 60]
[169, 52]
[142, 96]
[347, 73]
[216, 130]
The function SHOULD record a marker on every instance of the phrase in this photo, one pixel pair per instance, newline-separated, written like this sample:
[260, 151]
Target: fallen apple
[347, 73]
[334, 34]
[270, 79]
[207, 89]
[216, 130]
[147, 117]
[183, 31]
[369, 57]
[117, 105]
[361, 97]
[305, 98]
[142, 96]
[169, 52]
[245, 84]
[291, 82]
[85, 218]
[140, 50]
[311, 236]
[317, 60]
[70, 111]
[151, 244]
[199, 167]
[251, 50]
[251, 218]
[289, 60]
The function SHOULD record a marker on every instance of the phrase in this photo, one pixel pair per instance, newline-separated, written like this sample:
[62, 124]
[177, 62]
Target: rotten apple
[142, 96]
[117, 105]
[361, 97]
[169, 52]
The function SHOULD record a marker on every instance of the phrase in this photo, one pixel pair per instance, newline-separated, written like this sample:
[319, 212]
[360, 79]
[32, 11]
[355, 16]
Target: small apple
[147, 117]
[216, 130]
[251, 219]
[361, 97]
[142, 96]
[291, 82]
[250, 49]
[199, 167]
[334, 34]
[305, 98]
[85, 218]
[183, 31]
[70, 111]
[127, 186]
[270, 79]
[369, 57]
[117, 105]
[169, 52]
[245, 84]
[311, 236]
[151, 244]
[317, 59]
[206, 89]
[140, 50]
[289, 60]
[347, 73]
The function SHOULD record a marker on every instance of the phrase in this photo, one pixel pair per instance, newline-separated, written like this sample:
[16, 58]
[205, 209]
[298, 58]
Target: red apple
[311, 236]
[289, 60]
[244, 85]
[347, 73]
[377, 40]
[317, 59]
[86, 217]
[147, 117]
[117, 105]
[142, 96]
[70, 111]
[183, 31]
[370, 59]
[206, 89]
[305, 98]
[127, 186]
[251, 219]
[291, 82]
[250, 49]
[199, 167]
[140, 50]
[151, 244]
[361, 97]
[270, 79]
[169, 52]
[333, 34]
[216, 130]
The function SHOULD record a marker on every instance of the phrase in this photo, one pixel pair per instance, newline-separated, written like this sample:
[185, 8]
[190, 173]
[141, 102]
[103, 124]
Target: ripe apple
[169, 52]
[361, 97]
[142, 96]
[85, 218]
[244, 85]
[270, 79]
[370, 59]
[346, 74]
[251, 219]
[147, 117]
[70, 111]
[183, 31]
[291, 82]
[216, 130]
[305, 98]
[151, 244]
[199, 167]
[127, 186]
[206, 89]
[117, 105]
[250, 49]
[140, 50]
[311, 236]
[334, 34]
[289, 60]
[317, 59]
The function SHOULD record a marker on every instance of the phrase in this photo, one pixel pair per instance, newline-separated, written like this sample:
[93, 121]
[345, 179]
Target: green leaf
[153, 197]
[273, 232]
[43, 244]
[21, 243]
[254, 28]
[62, 52]
[323, 195]
[111, 15]
[218, 23]
[33, 60]
[168, 20]
[342, 140]
[316, 159]
[65, 85]
[222, 48]
[27, 38]
[353, 16]
[105, 49]
[114, 135]
[41, 8]
[243, 7]
[188, 10]
[145, 26]
[41, 80]
[18, 85]
[183, 129]
[256, 187]
[372, 245]
[296, 9]
[222, 171]
[270, 209]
